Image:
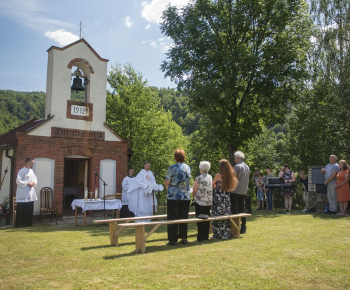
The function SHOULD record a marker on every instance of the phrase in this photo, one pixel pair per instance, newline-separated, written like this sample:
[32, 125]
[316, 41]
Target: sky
[123, 31]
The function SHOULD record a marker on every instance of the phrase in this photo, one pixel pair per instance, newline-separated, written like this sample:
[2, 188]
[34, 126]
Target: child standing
[260, 191]
[304, 183]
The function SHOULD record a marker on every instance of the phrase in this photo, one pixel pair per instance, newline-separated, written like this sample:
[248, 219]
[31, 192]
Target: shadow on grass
[131, 243]
[152, 249]
[295, 212]
[96, 247]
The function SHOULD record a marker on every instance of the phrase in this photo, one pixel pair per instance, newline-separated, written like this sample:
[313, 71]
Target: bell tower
[91, 67]
[76, 67]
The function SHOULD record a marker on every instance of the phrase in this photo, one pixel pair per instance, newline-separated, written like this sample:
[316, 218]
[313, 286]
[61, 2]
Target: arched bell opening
[79, 85]
[81, 71]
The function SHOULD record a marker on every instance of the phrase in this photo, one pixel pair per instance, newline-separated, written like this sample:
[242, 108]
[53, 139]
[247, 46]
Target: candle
[86, 194]
[96, 193]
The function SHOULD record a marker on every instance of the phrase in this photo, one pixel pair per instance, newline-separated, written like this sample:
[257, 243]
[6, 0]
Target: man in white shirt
[25, 194]
[125, 212]
[141, 192]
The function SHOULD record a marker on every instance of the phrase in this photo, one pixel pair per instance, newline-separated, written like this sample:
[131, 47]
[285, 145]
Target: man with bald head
[330, 171]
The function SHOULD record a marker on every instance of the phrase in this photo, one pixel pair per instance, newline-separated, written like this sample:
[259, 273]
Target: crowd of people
[336, 176]
[222, 196]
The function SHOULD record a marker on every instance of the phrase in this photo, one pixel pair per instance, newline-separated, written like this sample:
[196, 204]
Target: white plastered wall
[108, 174]
[5, 189]
[44, 169]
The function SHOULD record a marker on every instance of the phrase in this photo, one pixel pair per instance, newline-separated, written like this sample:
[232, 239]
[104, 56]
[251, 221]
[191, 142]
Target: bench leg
[235, 227]
[76, 216]
[113, 236]
[140, 240]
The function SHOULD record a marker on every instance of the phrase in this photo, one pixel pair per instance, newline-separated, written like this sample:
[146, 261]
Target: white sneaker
[288, 212]
[305, 210]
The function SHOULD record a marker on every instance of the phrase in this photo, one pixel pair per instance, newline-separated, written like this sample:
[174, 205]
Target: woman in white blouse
[203, 198]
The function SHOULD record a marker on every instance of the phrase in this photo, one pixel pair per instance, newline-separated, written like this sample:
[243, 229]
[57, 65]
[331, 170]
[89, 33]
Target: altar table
[112, 204]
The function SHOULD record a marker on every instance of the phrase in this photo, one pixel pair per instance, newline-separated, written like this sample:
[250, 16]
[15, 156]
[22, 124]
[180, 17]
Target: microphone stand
[104, 193]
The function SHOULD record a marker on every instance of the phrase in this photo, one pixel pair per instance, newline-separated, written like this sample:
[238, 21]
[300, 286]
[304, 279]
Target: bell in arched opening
[77, 81]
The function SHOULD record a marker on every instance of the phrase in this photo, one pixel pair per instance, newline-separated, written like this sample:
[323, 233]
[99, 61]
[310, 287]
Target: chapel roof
[75, 43]
[9, 138]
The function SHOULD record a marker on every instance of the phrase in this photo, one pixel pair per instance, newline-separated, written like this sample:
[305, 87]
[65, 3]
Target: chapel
[73, 141]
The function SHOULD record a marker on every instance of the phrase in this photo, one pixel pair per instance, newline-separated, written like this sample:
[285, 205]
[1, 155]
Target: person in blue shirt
[177, 182]
[330, 172]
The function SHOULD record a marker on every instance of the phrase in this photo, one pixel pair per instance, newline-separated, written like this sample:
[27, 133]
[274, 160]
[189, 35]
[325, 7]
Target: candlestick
[96, 193]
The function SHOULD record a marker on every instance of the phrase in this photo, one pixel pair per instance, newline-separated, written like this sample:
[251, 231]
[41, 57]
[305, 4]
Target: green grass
[278, 252]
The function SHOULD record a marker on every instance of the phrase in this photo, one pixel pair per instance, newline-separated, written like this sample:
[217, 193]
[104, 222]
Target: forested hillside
[18, 107]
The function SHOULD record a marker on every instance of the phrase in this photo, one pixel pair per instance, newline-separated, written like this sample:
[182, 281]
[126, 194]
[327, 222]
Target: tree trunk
[231, 150]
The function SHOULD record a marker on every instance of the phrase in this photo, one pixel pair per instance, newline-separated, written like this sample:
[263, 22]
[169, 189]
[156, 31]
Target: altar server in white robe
[141, 192]
[124, 211]
[25, 194]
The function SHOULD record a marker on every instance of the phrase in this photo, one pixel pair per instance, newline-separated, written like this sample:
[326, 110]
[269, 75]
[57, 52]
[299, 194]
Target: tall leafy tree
[135, 112]
[240, 61]
[331, 58]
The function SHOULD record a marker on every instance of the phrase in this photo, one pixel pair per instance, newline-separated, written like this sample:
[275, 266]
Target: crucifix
[80, 29]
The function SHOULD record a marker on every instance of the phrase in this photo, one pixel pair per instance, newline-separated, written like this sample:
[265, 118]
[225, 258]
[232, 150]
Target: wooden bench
[140, 238]
[113, 224]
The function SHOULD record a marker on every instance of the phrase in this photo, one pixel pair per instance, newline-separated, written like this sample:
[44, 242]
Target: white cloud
[127, 21]
[161, 43]
[97, 23]
[153, 11]
[30, 13]
[153, 43]
[62, 36]
[148, 26]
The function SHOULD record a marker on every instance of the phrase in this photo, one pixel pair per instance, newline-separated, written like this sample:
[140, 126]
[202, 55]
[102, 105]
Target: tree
[331, 59]
[314, 131]
[240, 62]
[134, 111]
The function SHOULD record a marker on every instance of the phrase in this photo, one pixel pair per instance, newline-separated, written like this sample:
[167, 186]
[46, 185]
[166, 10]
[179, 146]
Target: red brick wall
[58, 148]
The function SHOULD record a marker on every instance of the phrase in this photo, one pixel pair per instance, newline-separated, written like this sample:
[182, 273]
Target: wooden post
[140, 239]
[210, 227]
[235, 227]
[85, 218]
[113, 236]
[76, 215]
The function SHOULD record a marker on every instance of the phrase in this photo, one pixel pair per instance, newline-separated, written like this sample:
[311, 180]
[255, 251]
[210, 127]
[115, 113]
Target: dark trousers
[24, 214]
[269, 199]
[238, 206]
[177, 209]
[125, 212]
[203, 227]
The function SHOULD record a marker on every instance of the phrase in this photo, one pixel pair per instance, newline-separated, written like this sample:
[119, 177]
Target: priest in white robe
[141, 193]
[25, 194]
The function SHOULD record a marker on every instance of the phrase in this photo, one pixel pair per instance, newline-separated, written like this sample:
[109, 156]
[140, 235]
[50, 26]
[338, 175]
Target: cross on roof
[80, 29]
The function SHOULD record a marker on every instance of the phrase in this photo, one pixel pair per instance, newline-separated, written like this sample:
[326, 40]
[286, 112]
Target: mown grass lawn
[278, 252]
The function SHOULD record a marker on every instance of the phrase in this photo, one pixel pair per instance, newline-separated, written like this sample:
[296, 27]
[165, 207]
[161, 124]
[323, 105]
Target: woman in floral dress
[224, 182]
[287, 192]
